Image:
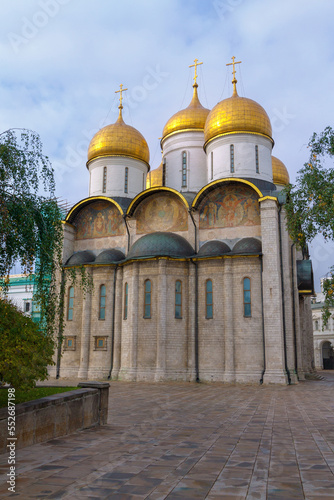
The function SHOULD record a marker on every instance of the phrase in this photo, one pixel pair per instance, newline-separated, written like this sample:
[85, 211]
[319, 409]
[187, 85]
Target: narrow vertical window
[104, 185]
[232, 158]
[126, 179]
[126, 295]
[70, 303]
[247, 298]
[257, 159]
[147, 299]
[102, 305]
[208, 299]
[164, 172]
[178, 299]
[211, 165]
[184, 169]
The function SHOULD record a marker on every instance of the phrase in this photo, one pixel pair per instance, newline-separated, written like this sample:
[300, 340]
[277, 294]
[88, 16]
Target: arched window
[178, 299]
[70, 303]
[126, 295]
[147, 298]
[232, 158]
[211, 165]
[184, 169]
[126, 179]
[102, 305]
[104, 184]
[247, 298]
[164, 172]
[257, 159]
[208, 299]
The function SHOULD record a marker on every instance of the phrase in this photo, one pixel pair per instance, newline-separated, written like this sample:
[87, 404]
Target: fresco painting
[231, 207]
[99, 220]
[161, 212]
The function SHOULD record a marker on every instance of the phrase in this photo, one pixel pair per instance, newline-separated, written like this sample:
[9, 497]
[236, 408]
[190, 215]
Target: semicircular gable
[229, 205]
[162, 210]
[222, 183]
[148, 192]
[97, 217]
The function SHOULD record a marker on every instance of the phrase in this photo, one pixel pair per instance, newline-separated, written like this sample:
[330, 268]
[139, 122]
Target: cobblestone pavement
[183, 440]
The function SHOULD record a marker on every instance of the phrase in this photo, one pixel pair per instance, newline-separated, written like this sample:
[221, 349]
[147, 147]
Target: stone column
[288, 304]
[85, 334]
[191, 324]
[132, 372]
[161, 321]
[229, 372]
[119, 311]
[272, 295]
[300, 367]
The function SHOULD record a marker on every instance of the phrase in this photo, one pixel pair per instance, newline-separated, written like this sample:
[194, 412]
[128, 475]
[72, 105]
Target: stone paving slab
[196, 441]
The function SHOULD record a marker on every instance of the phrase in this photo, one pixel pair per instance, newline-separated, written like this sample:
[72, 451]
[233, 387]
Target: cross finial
[195, 65]
[121, 90]
[234, 81]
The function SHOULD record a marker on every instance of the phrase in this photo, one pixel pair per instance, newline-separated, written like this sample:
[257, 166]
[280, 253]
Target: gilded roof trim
[74, 210]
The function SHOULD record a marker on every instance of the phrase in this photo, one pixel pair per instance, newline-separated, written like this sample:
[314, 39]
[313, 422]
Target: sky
[63, 60]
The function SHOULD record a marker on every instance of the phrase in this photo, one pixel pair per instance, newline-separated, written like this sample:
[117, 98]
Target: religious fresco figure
[161, 212]
[98, 220]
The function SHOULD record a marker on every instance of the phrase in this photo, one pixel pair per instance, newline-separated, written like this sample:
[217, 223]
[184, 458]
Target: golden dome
[236, 115]
[154, 177]
[119, 139]
[193, 117]
[280, 172]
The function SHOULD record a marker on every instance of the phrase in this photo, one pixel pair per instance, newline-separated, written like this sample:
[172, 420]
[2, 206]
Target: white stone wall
[115, 185]
[219, 165]
[192, 144]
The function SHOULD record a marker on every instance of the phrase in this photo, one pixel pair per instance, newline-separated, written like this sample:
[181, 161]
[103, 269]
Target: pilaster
[161, 321]
[229, 373]
[85, 334]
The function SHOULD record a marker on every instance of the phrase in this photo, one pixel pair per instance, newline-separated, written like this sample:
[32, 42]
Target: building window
[211, 165]
[247, 298]
[27, 307]
[102, 308]
[257, 159]
[147, 298]
[232, 158]
[100, 343]
[70, 343]
[316, 325]
[126, 295]
[164, 172]
[208, 299]
[178, 299]
[70, 303]
[104, 185]
[126, 179]
[184, 169]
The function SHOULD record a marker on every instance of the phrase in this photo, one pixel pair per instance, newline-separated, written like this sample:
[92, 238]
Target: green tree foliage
[30, 222]
[25, 349]
[310, 203]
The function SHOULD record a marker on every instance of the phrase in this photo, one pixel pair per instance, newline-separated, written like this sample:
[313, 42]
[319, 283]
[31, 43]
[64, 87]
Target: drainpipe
[127, 229]
[113, 324]
[61, 322]
[294, 311]
[192, 218]
[263, 335]
[283, 301]
[196, 320]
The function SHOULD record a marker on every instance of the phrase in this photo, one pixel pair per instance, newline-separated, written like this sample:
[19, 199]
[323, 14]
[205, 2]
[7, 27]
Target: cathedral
[195, 276]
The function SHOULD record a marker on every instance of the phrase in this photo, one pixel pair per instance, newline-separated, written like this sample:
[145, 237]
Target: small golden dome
[280, 172]
[119, 139]
[193, 117]
[154, 177]
[236, 115]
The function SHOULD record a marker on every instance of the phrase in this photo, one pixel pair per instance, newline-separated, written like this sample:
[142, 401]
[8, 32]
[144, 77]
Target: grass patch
[36, 393]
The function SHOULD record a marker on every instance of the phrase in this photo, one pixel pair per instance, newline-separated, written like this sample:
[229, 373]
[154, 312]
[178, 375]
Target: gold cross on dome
[121, 90]
[233, 64]
[195, 65]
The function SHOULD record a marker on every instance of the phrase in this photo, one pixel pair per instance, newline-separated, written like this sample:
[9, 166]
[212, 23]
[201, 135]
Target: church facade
[195, 276]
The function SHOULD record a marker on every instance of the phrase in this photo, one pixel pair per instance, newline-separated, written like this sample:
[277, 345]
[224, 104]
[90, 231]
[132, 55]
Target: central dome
[236, 115]
[119, 139]
[191, 118]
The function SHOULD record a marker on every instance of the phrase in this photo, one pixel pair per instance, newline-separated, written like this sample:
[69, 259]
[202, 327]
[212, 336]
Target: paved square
[196, 441]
